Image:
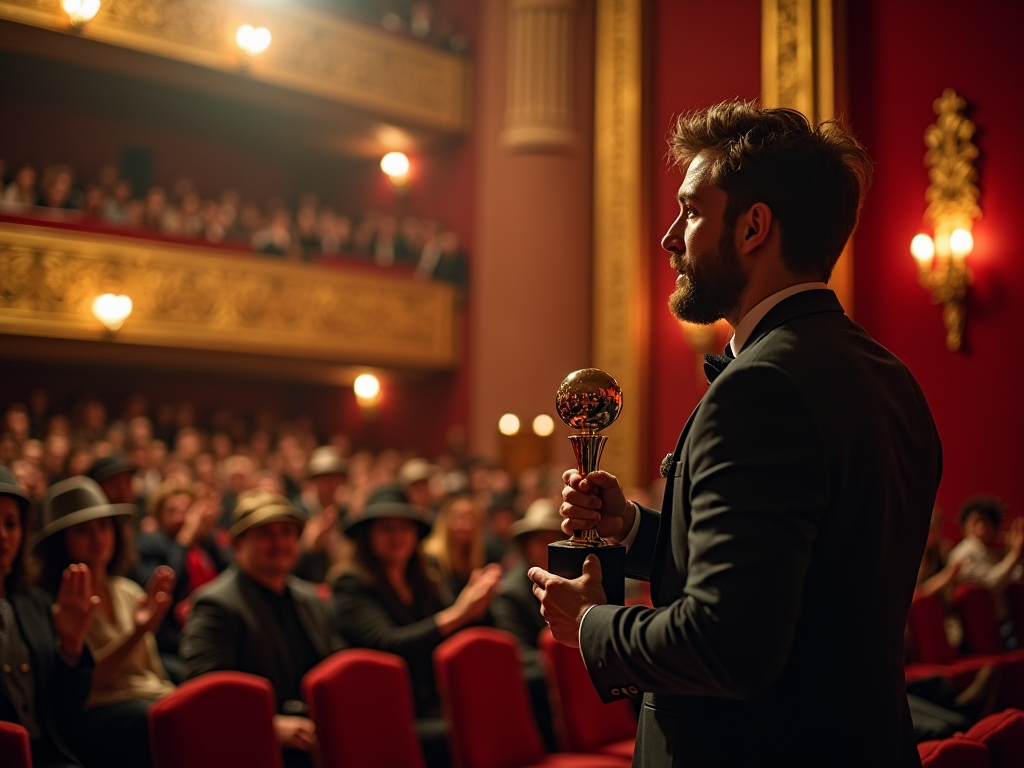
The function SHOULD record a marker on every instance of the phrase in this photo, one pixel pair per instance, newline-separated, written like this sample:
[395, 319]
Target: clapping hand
[151, 607]
[1015, 538]
[73, 609]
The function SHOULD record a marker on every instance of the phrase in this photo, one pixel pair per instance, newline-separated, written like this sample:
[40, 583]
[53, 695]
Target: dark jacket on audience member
[60, 690]
[371, 615]
[515, 608]
[238, 624]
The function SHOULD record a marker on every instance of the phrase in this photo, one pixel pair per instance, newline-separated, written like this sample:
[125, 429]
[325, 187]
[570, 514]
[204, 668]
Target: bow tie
[715, 365]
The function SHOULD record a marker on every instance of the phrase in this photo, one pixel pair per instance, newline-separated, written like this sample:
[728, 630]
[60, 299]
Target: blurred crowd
[307, 231]
[418, 19]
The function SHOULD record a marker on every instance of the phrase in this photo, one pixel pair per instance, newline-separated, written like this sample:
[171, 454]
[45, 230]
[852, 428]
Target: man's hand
[597, 500]
[295, 732]
[563, 601]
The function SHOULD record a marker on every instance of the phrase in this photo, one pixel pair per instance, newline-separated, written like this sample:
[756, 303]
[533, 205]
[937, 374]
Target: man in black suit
[784, 558]
[257, 618]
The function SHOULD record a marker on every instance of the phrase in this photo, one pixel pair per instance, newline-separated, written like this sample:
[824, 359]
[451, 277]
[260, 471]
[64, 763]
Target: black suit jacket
[231, 627]
[784, 559]
[60, 690]
[515, 608]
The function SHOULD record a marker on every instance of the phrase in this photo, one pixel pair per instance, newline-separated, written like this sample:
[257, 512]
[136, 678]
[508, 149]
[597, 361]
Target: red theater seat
[361, 702]
[215, 720]
[588, 724]
[1003, 734]
[488, 712]
[978, 616]
[14, 747]
[953, 753]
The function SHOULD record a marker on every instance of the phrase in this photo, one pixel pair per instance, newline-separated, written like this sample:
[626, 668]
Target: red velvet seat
[15, 751]
[953, 753]
[218, 719]
[1003, 734]
[490, 724]
[361, 702]
[978, 616]
[588, 724]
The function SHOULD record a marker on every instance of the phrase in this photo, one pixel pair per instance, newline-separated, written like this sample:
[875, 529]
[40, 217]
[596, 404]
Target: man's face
[981, 527]
[118, 488]
[711, 279]
[269, 550]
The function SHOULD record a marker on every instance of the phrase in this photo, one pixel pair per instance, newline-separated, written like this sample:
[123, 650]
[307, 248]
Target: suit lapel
[799, 304]
[308, 620]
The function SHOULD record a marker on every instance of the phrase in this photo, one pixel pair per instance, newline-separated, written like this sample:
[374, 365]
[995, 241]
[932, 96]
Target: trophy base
[565, 559]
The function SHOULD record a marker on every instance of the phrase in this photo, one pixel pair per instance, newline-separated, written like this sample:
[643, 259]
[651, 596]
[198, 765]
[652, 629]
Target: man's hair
[989, 506]
[813, 179]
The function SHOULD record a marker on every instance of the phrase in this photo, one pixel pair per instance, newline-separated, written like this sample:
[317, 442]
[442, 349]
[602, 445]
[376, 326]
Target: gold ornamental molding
[312, 51]
[193, 298]
[803, 68]
[620, 291]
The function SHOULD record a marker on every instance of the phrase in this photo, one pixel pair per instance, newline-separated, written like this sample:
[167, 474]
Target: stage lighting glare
[543, 425]
[112, 310]
[395, 165]
[366, 386]
[252, 40]
[80, 11]
[508, 424]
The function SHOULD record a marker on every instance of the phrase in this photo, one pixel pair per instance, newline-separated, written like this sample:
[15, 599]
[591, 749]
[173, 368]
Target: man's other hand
[563, 602]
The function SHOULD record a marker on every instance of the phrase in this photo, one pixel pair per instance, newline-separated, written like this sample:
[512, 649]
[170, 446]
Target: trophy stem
[588, 450]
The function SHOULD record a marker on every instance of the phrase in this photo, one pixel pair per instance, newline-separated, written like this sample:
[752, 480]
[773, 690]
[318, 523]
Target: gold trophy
[589, 400]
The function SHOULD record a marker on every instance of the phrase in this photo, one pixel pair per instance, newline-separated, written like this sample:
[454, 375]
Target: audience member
[979, 560]
[47, 668]
[324, 496]
[936, 574]
[20, 195]
[455, 547]
[81, 526]
[182, 541]
[257, 618]
[385, 598]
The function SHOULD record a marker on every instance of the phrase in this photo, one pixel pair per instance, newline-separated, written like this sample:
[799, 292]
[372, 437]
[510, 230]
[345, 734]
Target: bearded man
[784, 557]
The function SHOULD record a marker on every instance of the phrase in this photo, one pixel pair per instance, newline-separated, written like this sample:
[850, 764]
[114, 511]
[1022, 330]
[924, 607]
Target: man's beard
[713, 285]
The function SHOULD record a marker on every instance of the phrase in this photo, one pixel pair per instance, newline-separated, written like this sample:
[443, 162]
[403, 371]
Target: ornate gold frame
[620, 288]
[193, 298]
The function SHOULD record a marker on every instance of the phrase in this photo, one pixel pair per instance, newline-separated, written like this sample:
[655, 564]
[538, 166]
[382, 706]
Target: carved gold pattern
[620, 294]
[952, 204]
[312, 51]
[193, 298]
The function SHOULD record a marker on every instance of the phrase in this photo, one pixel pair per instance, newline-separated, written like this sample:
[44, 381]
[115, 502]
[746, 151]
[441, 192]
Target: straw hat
[325, 460]
[541, 515]
[258, 507]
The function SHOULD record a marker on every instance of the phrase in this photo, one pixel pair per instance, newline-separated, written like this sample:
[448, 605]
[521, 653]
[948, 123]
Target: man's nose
[673, 240]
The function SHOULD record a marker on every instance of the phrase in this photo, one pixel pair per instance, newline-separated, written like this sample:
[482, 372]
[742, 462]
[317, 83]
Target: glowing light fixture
[112, 310]
[367, 388]
[508, 424]
[396, 166]
[80, 11]
[543, 425]
[252, 40]
[952, 208]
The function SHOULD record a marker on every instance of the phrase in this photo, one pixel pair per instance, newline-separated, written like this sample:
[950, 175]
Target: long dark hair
[53, 554]
[364, 563]
[24, 568]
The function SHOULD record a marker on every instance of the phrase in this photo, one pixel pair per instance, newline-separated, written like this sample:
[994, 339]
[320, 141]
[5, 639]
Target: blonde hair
[438, 544]
[167, 489]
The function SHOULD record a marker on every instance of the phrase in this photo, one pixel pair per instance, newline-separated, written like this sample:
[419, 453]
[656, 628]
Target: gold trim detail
[312, 52]
[199, 299]
[952, 193]
[620, 287]
[799, 71]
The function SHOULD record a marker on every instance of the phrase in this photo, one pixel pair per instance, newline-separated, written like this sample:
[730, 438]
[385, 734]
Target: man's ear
[752, 228]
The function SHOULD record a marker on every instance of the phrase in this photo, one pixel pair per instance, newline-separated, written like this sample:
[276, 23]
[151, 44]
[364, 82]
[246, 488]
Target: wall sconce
[367, 390]
[252, 40]
[508, 424]
[952, 208]
[396, 166]
[112, 310]
[80, 11]
[543, 425]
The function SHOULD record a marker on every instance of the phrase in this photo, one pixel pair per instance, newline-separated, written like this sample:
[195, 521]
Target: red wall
[702, 53]
[902, 57]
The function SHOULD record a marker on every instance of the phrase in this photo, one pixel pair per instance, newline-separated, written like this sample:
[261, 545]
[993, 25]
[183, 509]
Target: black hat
[9, 487]
[108, 466]
[388, 500]
[77, 500]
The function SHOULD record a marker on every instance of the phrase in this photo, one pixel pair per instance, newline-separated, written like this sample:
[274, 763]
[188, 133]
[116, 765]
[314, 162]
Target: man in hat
[325, 477]
[114, 474]
[258, 618]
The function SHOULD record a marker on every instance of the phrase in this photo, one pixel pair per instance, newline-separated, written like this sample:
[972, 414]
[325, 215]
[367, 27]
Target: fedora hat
[541, 515]
[108, 466]
[387, 501]
[9, 487]
[258, 507]
[326, 460]
[77, 500]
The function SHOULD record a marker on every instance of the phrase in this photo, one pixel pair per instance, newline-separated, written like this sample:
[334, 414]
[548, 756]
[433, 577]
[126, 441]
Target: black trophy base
[566, 560]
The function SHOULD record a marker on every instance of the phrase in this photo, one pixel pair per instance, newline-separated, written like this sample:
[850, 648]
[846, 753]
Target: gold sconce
[112, 310]
[952, 208]
[80, 11]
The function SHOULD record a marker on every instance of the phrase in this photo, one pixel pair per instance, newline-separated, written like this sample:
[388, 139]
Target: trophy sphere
[588, 400]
